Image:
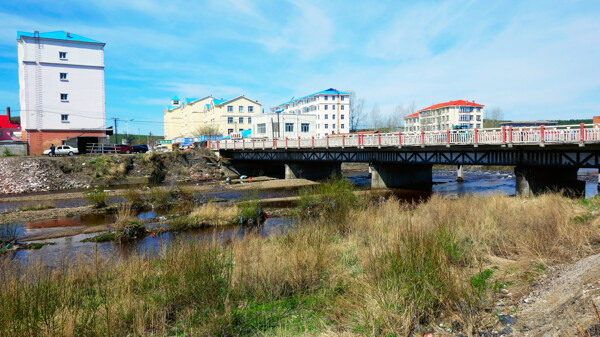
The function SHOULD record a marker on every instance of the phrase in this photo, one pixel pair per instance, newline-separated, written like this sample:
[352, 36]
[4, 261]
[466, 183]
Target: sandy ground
[562, 305]
[257, 183]
[28, 216]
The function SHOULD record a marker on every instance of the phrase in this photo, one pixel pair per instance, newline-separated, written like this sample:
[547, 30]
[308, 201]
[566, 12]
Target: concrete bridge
[545, 158]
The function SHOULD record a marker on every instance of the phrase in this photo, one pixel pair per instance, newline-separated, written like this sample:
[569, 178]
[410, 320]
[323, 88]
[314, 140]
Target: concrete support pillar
[534, 180]
[401, 176]
[311, 170]
[237, 168]
[459, 174]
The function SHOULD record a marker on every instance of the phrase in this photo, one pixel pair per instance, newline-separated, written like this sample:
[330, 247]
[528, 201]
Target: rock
[507, 320]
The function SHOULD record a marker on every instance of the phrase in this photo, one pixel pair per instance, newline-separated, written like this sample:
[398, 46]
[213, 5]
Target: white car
[164, 148]
[62, 150]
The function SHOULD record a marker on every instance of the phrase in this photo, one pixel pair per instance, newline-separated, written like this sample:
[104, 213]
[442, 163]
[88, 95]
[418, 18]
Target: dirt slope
[562, 306]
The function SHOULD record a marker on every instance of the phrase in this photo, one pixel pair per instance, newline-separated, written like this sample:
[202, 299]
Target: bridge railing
[567, 134]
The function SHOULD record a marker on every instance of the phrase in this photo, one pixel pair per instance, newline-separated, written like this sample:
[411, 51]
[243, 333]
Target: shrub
[97, 197]
[330, 201]
[134, 197]
[9, 232]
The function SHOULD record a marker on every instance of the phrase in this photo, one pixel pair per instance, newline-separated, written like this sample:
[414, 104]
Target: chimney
[68, 34]
[8, 113]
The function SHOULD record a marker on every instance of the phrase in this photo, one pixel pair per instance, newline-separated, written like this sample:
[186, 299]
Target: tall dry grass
[390, 268]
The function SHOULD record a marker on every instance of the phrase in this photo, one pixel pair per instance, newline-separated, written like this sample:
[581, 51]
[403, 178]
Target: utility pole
[116, 132]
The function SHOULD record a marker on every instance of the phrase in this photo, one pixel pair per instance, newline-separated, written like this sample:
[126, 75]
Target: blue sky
[532, 59]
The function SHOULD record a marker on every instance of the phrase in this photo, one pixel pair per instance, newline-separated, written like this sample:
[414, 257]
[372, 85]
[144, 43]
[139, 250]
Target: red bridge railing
[506, 136]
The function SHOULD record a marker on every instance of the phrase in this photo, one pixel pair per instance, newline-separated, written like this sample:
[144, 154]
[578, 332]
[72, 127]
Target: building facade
[61, 88]
[458, 114]
[331, 108]
[283, 125]
[190, 116]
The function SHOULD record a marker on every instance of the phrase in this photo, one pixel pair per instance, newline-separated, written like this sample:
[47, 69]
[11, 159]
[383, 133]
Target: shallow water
[70, 248]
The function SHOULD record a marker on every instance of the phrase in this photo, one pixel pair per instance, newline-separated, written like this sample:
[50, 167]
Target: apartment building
[282, 125]
[185, 118]
[459, 114]
[331, 108]
[61, 87]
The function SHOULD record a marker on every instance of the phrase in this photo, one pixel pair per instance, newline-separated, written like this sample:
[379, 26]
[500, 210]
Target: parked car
[140, 148]
[62, 150]
[164, 148]
[121, 148]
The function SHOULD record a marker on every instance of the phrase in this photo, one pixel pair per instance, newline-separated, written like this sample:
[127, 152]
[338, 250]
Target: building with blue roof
[330, 106]
[209, 116]
[61, 87]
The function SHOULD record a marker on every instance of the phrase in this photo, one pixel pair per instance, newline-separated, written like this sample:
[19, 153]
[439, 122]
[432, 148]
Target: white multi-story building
[331, 107]
[446, 116]
[61, 87]
[282, 125]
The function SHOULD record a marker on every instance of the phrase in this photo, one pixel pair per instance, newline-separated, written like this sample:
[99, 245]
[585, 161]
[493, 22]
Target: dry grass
[391, 268]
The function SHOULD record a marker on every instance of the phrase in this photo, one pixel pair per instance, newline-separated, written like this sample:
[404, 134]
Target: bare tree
[356, 115]
[207, 130]
[492, 118]
[377, 121]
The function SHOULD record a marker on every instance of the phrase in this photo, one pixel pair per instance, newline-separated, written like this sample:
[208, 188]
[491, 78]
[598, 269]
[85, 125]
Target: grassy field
[353, 266]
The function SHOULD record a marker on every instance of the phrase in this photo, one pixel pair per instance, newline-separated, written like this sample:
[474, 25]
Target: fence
[507, 136]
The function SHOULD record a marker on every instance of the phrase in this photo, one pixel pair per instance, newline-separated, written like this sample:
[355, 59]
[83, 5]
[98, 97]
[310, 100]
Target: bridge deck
[565, 135]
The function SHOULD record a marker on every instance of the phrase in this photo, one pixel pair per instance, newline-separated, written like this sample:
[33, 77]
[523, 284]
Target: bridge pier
[311, 171]
[537, 180]
[460, 174]
[401, 176]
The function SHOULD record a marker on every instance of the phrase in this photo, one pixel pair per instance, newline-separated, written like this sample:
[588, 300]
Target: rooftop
[460, 102]
[416, 114]
[58, 35]
[6, 124]
[326, 91]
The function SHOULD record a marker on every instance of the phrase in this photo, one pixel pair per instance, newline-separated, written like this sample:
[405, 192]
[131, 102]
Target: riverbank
[357, 266]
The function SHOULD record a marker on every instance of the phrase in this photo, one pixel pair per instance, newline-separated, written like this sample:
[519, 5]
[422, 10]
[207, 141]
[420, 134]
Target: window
[325, 97]
[64, 118]
[326, 125]
[250, 108]
[249, 120]
[478, 118]
[333, 116]
[241, 120]
[261, 128]
[478, 126]
[325, 116]
[304, 127]
[63, 76]
[342, 98]
[326, 106]
[230, 108]
[342, 117]
[240, 108]
[240, 130]
[62, 55]
[289, 127]
[471, 117]
[342, 108]
[64, 97]
[341, 126]
[333, 126]
[229, 131]
[229, 120]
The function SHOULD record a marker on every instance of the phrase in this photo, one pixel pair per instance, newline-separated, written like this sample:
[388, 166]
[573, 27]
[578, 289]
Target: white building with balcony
[458, 114]
[61, 87]
[331, 108]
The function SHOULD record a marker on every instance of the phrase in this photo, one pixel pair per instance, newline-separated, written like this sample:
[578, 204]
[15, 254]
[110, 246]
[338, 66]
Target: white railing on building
[505, 136]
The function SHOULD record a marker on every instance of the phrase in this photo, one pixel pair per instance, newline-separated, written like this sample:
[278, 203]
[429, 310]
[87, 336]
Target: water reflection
[72, 247]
